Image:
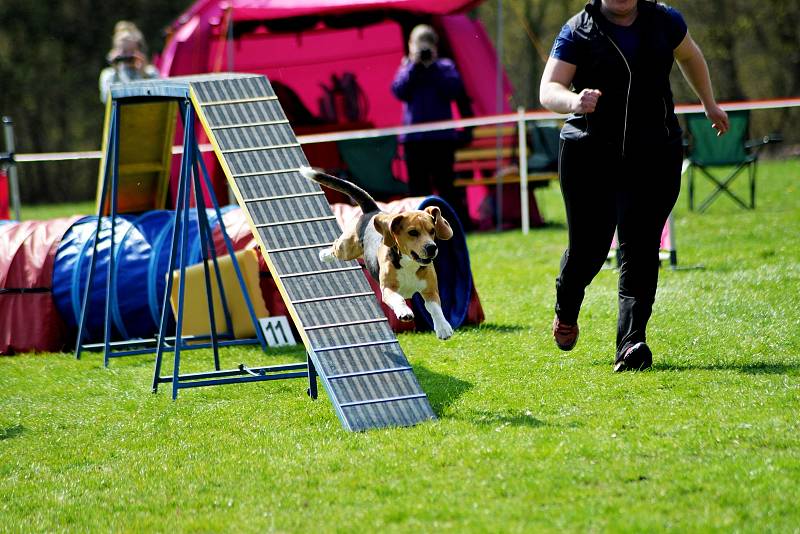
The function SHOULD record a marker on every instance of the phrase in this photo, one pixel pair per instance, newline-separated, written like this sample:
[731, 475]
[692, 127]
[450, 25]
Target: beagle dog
[398, 250]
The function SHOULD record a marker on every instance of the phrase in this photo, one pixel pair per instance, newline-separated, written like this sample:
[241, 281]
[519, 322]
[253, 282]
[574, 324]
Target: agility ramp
[348, 339]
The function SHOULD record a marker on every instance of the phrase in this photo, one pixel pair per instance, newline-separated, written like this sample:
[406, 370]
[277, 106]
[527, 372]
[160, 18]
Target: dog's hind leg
[346, 247]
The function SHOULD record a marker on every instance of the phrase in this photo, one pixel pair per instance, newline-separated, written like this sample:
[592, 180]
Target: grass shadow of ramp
[442, 389]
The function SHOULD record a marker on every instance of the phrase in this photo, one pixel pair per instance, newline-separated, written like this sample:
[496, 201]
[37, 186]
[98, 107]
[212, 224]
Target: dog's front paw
[405, 314]
[326, 255]
[443, 331]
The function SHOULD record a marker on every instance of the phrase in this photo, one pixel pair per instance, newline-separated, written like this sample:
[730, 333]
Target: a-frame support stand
[192, 171]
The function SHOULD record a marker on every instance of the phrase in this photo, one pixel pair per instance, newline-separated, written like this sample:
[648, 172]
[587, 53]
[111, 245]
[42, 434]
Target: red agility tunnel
[29, 320]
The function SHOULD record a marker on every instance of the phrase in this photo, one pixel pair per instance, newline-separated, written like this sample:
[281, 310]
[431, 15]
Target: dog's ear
[443, 230]
[388, 225]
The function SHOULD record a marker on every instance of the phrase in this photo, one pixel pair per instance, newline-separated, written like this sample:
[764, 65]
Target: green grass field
[528, 438]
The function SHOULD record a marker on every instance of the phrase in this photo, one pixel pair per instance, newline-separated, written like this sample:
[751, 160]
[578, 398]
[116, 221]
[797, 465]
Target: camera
[425, 54]
[123, 58]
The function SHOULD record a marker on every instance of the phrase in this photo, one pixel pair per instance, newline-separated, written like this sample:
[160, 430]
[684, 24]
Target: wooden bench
[477, 164]
[478, 170]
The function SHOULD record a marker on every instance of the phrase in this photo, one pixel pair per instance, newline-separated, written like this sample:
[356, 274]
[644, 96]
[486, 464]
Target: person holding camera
[127, 58]
[427, 85]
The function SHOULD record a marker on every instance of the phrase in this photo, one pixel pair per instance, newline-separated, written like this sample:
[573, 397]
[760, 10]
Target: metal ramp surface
[347, 336]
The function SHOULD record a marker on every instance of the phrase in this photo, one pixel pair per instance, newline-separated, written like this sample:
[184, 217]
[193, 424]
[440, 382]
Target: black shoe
[635, 357]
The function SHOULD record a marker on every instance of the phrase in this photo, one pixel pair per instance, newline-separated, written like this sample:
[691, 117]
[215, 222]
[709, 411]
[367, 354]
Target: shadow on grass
[442, 389]
[492, 328]
[497, 420]
[11, 432]
[753, 368]
[551, 225]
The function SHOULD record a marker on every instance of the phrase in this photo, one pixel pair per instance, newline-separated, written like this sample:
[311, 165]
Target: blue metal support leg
[176, 234]
[112, 271]
[203, 230]
[229, 246]
[111, 159]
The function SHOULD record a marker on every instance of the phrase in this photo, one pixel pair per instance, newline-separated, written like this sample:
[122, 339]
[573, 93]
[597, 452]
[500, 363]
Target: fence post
[523, 170]
[13, 180]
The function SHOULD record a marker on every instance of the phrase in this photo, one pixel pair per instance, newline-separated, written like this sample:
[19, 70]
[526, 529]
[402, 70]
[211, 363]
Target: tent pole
[499, 110]
[13, 177]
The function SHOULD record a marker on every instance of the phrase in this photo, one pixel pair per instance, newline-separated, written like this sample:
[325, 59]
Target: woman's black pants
[604, 190]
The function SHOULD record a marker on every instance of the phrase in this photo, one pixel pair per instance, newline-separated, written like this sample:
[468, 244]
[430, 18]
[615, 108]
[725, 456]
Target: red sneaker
[566, 335]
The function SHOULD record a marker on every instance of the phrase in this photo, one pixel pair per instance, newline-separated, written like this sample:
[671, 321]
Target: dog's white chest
[407, 277]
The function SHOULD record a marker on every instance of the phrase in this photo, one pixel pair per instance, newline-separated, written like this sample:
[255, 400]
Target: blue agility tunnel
[130, 310]
[72, 266]
[452, 270]
[158, 227]
[141, 256]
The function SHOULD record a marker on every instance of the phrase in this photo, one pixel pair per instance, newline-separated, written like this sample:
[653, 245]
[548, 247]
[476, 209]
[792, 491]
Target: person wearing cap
[427, 85]
[127, 59]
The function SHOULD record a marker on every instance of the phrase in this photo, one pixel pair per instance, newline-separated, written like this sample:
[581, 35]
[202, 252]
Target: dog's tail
[361, 197]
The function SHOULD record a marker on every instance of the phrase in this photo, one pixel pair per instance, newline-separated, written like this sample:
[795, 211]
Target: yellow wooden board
[195, 304]
[147, 131]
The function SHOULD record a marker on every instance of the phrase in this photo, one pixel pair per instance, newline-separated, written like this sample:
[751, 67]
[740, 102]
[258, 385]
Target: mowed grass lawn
[527, 438]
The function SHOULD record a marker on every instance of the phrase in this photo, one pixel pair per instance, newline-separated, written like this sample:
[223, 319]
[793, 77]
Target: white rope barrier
[520, 118]
[424, 127]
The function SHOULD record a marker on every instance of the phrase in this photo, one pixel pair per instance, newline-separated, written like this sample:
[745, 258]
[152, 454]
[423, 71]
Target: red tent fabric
[301, 43]
[29, 320]
[277, 9]
[4, 209]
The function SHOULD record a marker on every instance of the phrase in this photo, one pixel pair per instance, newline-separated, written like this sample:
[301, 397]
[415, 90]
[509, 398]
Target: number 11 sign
[277, 331]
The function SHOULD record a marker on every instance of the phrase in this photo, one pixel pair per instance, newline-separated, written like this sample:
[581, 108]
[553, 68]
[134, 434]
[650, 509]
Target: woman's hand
[718, 118]
[586, 101]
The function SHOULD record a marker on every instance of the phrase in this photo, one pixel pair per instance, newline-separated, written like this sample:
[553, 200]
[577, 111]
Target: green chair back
[545, 140]
[370, 164]
[709, 150]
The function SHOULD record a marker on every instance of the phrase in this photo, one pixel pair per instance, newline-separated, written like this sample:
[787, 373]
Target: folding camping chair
[370, 161]
[544, 136]
[706, 151]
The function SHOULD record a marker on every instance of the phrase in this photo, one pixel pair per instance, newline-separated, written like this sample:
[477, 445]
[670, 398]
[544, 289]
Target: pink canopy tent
[300, 45]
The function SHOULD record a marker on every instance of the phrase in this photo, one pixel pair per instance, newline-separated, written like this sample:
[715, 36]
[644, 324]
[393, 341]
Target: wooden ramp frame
[348, 339]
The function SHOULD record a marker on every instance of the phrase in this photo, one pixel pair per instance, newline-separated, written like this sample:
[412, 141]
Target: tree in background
[51, 54]
[753, 50]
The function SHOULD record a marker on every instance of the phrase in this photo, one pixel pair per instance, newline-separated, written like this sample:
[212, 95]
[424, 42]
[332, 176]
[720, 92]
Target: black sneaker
[635, 357]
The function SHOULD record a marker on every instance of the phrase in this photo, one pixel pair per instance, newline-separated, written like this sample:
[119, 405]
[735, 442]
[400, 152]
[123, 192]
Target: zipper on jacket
[628, 96]
[666, 113]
